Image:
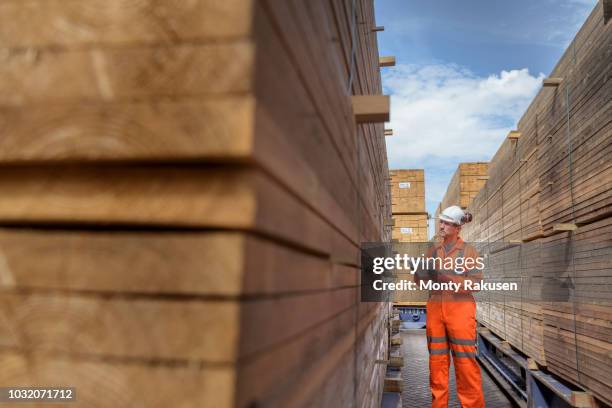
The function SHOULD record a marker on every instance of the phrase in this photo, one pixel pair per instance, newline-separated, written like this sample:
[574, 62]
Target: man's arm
[424, 274]
[475, 275]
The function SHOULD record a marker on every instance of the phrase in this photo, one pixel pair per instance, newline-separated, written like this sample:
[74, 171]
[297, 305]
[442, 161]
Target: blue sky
[466, 71]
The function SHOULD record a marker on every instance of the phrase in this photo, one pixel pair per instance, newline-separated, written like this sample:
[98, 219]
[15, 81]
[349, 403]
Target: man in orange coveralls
[451, 316]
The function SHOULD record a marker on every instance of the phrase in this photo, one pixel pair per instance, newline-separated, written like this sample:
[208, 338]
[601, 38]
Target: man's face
[447, 229]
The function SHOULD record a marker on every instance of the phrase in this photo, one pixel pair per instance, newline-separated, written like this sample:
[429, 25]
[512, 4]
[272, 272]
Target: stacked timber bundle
[547, 203]
[407, 191]
[410, 227]
[410, 224]
[408, 205]
[464, 186]
[183, 194]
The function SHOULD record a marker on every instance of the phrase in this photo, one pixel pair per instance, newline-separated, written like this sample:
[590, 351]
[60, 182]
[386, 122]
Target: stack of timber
[464, 186]
[407, 191]
[410, 225]
[546, 212]
[182, 197]
[395, 361]
[408, 205]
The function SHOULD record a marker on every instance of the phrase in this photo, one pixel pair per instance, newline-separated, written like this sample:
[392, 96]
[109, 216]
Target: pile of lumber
[410, 225]
[395, 362]
[183, 194]
[547, 208]
[408, 205]
[465, 184]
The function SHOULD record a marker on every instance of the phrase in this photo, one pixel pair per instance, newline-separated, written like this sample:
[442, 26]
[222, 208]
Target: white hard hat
[455, 215]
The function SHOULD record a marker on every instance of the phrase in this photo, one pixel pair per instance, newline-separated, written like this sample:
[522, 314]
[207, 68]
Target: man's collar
[459, 244]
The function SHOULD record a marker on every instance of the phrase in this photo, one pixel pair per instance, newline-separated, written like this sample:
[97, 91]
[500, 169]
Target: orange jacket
[444, 269]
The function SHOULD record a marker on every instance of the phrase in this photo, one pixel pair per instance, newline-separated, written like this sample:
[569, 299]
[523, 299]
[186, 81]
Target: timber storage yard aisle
[182, 196]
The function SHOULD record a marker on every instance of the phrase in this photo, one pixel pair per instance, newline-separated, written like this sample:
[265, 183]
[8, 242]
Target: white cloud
[443, 114]
[447, 112]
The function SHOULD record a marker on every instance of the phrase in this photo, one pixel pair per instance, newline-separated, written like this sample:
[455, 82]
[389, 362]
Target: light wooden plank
[217, 127]
[514, 134]
[169, 196]
[371, 108]
[386, 61]
[167, 329]
[109, 384]
[162, 329]
[552, 82]
[78, 23]
[126, 73]
[565, 227]
[146, 262]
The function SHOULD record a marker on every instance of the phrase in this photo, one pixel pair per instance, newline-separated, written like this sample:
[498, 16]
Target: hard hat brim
[447, 219]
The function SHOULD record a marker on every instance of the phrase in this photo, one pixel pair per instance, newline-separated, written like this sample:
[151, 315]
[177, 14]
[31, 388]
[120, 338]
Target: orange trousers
[451, 327]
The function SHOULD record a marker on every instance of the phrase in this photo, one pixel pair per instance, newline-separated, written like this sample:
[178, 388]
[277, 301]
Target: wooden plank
[126, 73]
[184, 197]
[184, 130]
[187, 263]
[565, 227]
[551, 82]
[133, 383]
[184, 330]
[386, 61]
[378, 28]
[371, 108]
[514, 134]
[78, 23]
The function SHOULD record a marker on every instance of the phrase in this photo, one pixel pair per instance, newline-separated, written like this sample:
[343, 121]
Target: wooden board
[120, 383]
[76, 23]
[209, 263]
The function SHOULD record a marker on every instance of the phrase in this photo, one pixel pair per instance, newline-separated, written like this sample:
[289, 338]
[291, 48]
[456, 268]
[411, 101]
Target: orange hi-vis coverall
[451, 327]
